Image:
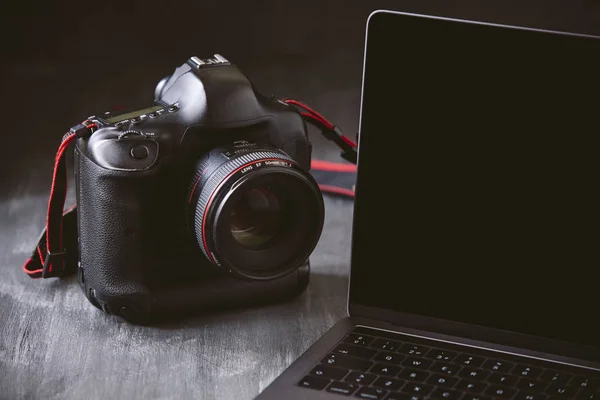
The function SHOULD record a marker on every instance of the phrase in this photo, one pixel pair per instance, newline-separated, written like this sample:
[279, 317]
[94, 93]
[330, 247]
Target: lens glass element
[257, 217]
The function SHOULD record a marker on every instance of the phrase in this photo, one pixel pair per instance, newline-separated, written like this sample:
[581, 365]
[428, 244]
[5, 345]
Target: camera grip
[110, 248]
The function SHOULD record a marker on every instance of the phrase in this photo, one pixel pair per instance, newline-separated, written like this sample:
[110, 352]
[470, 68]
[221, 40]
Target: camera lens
[254, 211]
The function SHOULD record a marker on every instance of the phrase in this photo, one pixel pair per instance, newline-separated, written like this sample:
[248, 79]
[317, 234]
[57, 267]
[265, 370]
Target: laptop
[475, 265]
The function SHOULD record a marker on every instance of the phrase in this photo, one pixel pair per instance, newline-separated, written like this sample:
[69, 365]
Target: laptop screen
[477, 190]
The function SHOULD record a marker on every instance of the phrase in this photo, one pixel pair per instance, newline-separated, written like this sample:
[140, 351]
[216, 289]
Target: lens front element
[257, 217]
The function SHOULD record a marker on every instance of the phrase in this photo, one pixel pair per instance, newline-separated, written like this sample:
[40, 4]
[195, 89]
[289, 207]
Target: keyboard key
[342, 361]
[467, 359]
[404, 396]
[446, 394]
[526, 372]
[497, 366]
[390, 358]
[413, 350]
[473, 373]
[313, 382]
[385, 369]
[560, 390]
[502, 379]
[555, 377]
[470, 396]
[389, 383]
[417, 389]
[360, 378]
[442, 380]
[445, 368]
[531, 385]
[384, 344]
[500, 392]
[588, 394]
[345, 388]
[329, 372]
[584, 382]
[355, 351]
[530, 396]
[470, 386]
[414, 362]
[441, 355]
[359, 340]
[371, 393]
[413, 375]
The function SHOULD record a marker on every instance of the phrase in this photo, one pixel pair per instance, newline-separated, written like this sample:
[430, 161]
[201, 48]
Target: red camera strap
[330, 131]
[334, 178]
[48, 259]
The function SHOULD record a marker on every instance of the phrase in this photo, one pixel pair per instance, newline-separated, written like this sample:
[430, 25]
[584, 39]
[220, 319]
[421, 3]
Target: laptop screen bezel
[438, 325]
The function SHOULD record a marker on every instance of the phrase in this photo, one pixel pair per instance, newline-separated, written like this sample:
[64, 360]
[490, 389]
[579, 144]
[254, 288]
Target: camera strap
[55, 254]
[334, 178]
[329, 130]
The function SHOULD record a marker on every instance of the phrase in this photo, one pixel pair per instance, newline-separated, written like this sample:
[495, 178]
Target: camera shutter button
[139, 152]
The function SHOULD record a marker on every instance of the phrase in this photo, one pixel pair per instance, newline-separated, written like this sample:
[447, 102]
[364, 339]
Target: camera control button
[139, 152]
[129, 133]
[154, 115]
[135, 120]
[173, 108]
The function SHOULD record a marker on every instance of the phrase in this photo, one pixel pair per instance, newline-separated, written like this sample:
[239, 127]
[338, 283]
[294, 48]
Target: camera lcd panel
[132, 114]
[477, 190]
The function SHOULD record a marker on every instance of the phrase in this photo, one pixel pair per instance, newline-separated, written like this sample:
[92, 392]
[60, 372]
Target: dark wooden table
[55, 345]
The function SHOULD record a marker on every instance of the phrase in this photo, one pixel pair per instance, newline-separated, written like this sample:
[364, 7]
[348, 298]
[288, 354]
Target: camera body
[199, 201]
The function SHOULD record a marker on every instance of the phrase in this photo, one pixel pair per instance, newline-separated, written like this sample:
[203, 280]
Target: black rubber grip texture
[220, 176]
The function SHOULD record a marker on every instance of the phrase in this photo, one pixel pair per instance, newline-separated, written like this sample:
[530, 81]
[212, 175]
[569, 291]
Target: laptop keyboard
[373, 364]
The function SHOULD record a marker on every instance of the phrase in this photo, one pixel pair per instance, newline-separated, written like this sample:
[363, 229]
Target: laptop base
[374, 360]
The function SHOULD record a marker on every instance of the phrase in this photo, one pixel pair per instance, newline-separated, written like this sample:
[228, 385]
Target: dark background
[62, 61]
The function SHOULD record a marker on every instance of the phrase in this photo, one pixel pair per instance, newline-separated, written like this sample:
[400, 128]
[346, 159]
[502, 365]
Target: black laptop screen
[478, 193]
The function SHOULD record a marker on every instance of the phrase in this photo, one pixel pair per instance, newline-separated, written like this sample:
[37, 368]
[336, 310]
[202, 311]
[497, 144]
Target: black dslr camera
[200, 200]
